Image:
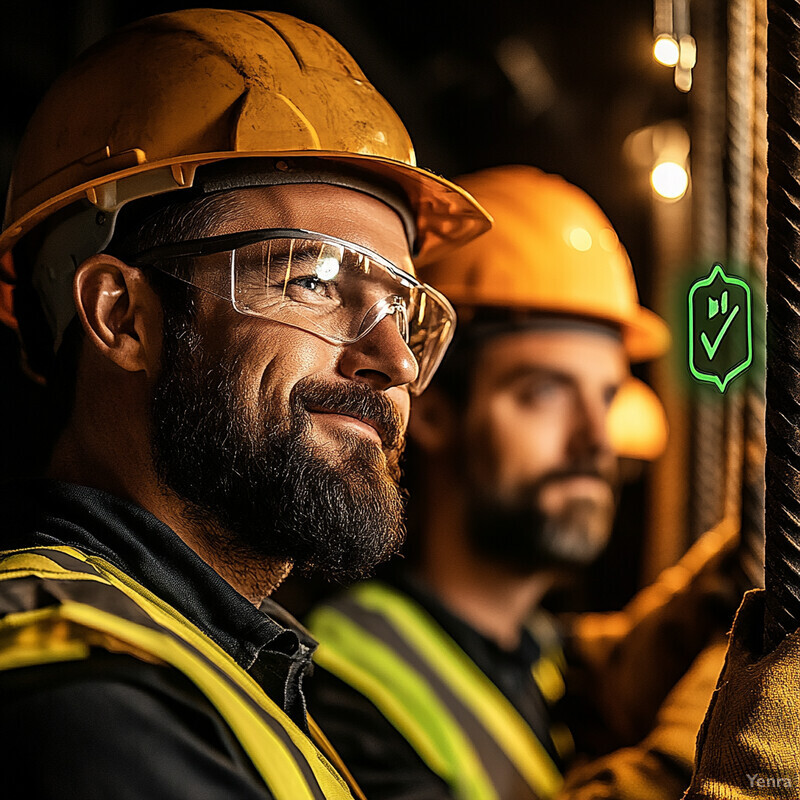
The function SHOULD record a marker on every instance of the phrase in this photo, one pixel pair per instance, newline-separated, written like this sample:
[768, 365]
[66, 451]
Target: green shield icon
[720, 328]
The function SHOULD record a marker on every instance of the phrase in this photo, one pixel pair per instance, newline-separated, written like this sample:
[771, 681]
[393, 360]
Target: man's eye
[537, 392]
[310, 283]
[309, 289]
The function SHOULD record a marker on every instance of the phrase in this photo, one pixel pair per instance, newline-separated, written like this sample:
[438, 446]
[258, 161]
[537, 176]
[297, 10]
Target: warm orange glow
[580, 239]
[6, 299]
[637, 423]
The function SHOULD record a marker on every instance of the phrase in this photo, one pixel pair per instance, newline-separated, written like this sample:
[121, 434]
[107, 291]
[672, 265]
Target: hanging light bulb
[674, 45]
[666, 50]
[670, 180]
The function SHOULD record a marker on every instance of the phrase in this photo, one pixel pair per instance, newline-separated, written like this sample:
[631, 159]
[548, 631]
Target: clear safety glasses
[332, 288]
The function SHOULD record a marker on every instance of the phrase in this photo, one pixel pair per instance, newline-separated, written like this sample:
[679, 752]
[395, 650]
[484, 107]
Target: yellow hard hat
[140, 111]
[637, 422]
[551, 249]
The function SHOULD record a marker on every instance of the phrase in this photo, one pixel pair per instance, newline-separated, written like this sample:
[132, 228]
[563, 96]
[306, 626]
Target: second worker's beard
[517, 533]
[255, 476]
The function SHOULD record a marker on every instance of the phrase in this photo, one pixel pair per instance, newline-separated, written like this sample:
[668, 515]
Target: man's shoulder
[112, 725]
[74, 685]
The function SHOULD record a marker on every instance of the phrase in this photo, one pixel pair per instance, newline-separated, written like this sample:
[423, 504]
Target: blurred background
[573, 88]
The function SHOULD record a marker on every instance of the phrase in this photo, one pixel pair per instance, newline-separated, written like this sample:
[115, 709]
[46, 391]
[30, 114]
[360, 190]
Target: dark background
[557, 85]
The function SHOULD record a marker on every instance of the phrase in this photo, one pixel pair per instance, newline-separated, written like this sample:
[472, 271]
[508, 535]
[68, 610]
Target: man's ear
[119, 311]
[434, 421]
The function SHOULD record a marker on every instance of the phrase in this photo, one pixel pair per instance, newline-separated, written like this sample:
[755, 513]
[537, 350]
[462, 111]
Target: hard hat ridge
[150, 103]
[551, 250]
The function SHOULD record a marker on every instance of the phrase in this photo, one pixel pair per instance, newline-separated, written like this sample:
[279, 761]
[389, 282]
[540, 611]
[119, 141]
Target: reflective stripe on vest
[386, 646]
[97, 605]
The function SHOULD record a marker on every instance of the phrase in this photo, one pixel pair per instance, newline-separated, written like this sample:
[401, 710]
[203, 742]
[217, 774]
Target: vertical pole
[782, 526]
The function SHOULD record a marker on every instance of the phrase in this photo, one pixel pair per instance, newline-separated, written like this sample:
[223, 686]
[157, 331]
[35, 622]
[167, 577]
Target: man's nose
[381, 359]
[590, 433]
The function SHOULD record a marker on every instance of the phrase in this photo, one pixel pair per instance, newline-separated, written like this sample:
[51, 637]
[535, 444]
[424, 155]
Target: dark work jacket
[112, 726]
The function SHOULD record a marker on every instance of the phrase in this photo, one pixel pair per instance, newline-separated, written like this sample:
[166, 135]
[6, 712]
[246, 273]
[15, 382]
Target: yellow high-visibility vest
[87, 588]
[386, 646]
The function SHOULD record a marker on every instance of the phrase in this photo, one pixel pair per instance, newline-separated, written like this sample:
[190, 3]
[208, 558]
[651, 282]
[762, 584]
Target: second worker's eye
[539, 391]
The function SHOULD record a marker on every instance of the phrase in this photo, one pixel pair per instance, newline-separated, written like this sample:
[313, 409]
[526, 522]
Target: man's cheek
[515, 460]
[401, 399]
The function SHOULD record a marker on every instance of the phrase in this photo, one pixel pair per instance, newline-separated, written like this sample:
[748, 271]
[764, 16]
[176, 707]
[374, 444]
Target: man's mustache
[352, 400]
[566, 473]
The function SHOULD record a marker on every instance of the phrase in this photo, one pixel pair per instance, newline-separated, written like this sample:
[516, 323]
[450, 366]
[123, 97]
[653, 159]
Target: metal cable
[782, 614]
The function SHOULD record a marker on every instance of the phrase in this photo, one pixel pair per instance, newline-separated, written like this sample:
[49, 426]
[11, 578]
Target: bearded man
[212, 218]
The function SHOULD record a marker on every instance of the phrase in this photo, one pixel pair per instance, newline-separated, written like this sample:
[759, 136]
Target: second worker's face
[540, 466]
[291, 443]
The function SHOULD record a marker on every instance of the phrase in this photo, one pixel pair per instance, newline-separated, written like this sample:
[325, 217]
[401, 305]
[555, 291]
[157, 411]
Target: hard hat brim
[646, 336]
[447, 216]
[637, 422]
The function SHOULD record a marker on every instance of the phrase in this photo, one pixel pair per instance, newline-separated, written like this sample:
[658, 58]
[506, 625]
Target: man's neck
[489, 598]
[78, 459]
[254, 577]
[495, 600]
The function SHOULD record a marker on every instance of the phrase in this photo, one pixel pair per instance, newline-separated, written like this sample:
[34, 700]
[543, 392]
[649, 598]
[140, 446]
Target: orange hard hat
[637, 422]
[550, 249]
[140, 111]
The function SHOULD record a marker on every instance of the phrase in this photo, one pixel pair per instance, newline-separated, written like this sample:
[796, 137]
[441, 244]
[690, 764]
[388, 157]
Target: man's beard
[517, 533]
[255, 477]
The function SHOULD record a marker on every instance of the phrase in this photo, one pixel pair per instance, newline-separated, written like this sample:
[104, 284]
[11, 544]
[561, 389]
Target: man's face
[284, 441]
[540, 469]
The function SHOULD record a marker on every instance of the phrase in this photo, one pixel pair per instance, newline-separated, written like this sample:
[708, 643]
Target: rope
[782, 614]
[709, 197]
[751, 544]
[741, 45]
[741, 55]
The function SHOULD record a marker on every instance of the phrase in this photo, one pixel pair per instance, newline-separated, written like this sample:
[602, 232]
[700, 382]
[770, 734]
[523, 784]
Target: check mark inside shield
[711, 349]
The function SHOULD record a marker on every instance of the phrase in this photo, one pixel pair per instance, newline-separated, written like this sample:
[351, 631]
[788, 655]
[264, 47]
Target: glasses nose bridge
[393, 305]
[400, 313]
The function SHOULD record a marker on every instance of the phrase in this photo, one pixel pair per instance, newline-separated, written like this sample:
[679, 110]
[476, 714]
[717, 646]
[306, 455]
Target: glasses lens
[431, 324]
[334, 290]
[320, 286]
